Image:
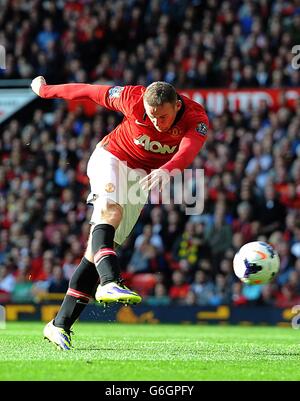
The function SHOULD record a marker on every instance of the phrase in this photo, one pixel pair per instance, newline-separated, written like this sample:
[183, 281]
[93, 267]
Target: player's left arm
[189, 148]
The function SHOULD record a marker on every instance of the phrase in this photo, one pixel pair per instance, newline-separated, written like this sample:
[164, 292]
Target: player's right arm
[112, 97]
[68, 91]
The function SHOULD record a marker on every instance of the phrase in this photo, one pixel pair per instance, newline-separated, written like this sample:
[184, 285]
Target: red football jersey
[136, 140]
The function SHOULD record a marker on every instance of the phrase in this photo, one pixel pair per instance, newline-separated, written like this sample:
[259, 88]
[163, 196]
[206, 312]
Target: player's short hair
[159, 93]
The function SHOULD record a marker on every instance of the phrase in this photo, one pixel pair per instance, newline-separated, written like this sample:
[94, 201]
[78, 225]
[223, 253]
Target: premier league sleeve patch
[202, 129]
[115, 91]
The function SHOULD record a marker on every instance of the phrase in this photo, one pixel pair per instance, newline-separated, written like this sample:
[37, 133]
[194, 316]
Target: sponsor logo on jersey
[115, 91]
[202, 129]
[154, 146]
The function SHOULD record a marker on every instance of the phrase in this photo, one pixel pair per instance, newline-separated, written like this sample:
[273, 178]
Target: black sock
[105, 257]
[82, 287]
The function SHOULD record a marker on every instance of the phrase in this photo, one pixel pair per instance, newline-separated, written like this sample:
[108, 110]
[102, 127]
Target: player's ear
[178, 105]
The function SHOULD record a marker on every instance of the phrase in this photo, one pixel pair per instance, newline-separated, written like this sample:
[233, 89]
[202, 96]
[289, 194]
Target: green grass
[151, 352]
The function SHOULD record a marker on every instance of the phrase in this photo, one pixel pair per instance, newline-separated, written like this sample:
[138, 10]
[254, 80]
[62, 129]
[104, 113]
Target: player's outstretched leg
[111, 288]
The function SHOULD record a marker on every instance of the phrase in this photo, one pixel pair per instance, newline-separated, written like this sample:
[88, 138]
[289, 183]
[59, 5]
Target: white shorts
[112, 180]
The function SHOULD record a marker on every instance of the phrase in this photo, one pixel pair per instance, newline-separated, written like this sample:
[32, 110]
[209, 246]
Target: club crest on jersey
[154, 146]
[175, 131]
[109, 187]
[115, 91]
[202, 129]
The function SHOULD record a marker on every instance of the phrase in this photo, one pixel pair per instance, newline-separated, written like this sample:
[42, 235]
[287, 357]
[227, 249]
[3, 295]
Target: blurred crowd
[189, 43]
[251, 159]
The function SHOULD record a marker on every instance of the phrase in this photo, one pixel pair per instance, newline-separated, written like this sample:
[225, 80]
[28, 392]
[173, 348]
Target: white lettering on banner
[12, 100]
[217, 100]
[245, 100]
[292, 95]
[154, 146]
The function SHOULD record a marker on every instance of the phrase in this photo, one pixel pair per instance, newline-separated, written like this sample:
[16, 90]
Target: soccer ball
[256, 263]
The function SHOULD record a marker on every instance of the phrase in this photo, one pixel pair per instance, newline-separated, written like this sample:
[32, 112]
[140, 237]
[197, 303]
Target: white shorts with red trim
[111, 180]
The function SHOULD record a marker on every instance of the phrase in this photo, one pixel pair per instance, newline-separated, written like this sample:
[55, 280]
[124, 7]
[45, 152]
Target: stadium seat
[143, 283]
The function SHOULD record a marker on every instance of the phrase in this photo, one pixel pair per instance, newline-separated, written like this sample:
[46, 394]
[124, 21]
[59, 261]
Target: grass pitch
[109, 352]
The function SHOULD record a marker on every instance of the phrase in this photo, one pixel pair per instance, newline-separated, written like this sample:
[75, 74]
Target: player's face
[163, 116]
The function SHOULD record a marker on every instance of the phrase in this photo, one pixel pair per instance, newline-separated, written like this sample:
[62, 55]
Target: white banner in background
[12, 100]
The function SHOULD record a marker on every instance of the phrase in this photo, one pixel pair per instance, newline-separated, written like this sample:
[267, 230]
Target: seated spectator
[286, 262]
[259, 165]
[157, 223]
[7, 283]
[190, 299]
[294, 280]
[179, 287]
[186, 248]
[290, 198]
[287, 297]
[203, 288]
[149, 236]
[159, 296]
[219, 237]
[57, 282]
[22, 291]
[147, 248]
[252, 293]
[295, 240]
[271, 211]
[47, 34]
[172, 230]
[242, 223]
[238, 298]
[69, 265]
[221, 291]
[267, 295]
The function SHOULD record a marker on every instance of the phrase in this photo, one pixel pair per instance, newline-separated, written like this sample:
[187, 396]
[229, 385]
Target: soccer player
[161, 131]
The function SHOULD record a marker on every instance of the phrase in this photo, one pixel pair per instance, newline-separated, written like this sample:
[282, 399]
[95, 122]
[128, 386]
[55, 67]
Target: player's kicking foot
[58, 336]
[114, 292]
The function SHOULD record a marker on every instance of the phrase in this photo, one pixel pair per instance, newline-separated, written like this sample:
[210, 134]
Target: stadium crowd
[251, 159]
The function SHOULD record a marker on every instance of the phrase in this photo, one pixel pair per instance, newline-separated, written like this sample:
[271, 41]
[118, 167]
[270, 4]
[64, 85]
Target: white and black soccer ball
[256, 263]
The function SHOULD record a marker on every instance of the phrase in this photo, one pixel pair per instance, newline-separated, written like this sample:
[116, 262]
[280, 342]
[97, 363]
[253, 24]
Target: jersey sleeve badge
[202, 129]
[115, 91]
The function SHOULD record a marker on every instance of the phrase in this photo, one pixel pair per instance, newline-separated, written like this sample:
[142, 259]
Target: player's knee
[111, 213]
[107, 212]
